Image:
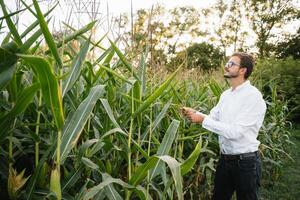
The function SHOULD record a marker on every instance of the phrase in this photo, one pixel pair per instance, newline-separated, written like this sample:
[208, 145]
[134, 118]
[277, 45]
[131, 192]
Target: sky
[125, 5]
[115, 7]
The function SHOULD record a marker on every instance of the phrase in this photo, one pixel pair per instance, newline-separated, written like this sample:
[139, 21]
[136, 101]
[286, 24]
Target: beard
[230, 75]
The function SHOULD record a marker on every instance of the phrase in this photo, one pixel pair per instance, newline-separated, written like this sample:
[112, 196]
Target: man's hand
[192, 115]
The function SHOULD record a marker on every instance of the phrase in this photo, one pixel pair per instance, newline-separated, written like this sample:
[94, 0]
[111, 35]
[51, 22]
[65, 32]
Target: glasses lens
[229, 64]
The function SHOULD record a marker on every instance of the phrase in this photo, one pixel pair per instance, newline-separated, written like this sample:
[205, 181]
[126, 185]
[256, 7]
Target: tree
[184, 21]
[161, 32]
[147, 31]
[264, 16]
[229, 26]
[199, 55]
[290, 47]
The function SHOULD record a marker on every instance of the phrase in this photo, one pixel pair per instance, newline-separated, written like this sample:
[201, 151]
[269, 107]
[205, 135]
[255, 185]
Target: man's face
[232, 68]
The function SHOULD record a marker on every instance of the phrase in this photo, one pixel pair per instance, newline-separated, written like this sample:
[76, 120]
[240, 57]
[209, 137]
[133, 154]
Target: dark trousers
[240, 175]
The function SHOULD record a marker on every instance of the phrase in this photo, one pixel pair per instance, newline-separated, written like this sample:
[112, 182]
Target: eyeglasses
[230, 64]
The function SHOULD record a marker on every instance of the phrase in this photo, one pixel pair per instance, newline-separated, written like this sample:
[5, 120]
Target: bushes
[279, 81]
[286, 74]
[274, 135]
[290, 47]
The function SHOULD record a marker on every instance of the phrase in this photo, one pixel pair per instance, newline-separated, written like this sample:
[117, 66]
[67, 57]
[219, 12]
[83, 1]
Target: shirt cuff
[202, 114]
[207, 122]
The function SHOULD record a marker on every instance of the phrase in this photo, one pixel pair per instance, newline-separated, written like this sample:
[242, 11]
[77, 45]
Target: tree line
[185, 33]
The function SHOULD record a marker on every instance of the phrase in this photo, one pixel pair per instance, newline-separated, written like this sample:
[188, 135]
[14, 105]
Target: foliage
[284, 73]
[229, 26]
[267, 15]
[85, 117]
[201, 56]
[287, 185]
[107, 127]
[279, 82]
[289, 47]
[150, 32]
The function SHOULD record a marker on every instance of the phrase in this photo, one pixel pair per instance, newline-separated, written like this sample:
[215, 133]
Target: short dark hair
[247, 61]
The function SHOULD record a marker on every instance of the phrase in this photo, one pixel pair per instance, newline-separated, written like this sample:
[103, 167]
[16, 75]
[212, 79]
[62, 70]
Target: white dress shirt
[237, 119]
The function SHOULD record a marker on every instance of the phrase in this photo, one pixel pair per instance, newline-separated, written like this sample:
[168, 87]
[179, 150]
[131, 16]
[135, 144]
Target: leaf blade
[49, 85]
[73, 129]
[48, 37]
[75, 72]
[155, 94]
[23, 100]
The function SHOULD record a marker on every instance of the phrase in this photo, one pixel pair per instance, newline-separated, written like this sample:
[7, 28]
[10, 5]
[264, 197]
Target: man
[236, 119]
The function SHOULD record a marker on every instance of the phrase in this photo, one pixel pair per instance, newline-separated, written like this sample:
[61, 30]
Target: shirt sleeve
[250, 117]
[215, 111]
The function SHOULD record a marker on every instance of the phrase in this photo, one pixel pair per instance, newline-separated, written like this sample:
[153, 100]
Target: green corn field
[77, 126]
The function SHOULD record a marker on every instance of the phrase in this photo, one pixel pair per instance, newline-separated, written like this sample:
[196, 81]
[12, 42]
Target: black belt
[243, 156]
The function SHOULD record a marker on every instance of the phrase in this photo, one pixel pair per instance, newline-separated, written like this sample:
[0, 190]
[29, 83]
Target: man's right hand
[186, 111]
[193, 115]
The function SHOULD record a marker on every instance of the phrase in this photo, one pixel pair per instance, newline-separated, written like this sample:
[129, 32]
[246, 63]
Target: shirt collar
[243, 85]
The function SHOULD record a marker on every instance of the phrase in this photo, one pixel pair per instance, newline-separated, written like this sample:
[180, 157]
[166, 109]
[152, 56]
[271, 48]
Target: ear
[243, 70]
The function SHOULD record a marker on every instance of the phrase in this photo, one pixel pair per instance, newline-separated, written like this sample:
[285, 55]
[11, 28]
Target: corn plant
[66, 98]
[99, 128]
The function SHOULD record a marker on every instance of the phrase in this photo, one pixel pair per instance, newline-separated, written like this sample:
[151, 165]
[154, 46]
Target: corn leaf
[75, 68]
[142, 72]
[109, 57]
[23, 100]
[34, 24]
[6, 39]
[137, 94]
[30, 41]
[72, 179]
[113, 72]
[72, 130]
[12, 14]
[96, 44]
[100, 58]
[11, 25]
[79, 33]
[33, 179]
[123, 59]
[155, 94]
[215, 88]
[161, 115]
[174, 166]
[7, 66]
[136, 145]
[165, 146]
[49, 85]
[89, 163]
[94, 190]
[109, 112]
[48, 37]
[28, 7]
[142, 170]
[109, 181]
[110, 190]
[188, 164]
